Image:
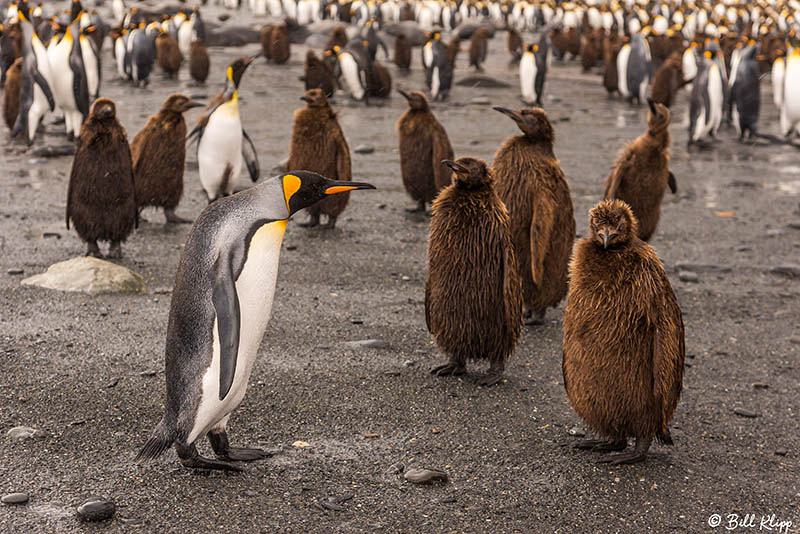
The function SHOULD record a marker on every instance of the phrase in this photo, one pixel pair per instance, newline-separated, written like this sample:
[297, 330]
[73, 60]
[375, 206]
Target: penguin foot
[172, 218]
[419, 209]
[115, 252]
[93, 250]
[533, 318]
[191, 458]
[601, 445]
[223, 450]
[311, 222]
[331, 224]
[492, 378]
[632, 457]
[449, 369]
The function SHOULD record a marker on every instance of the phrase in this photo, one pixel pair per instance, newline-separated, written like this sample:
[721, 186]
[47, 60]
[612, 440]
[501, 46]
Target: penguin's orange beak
[341, 187]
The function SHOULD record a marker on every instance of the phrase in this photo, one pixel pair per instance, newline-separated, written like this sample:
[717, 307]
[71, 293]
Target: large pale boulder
[89, 275]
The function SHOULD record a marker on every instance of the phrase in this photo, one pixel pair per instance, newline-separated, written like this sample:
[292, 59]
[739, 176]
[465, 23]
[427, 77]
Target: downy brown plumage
[199, 62]
[100, 196]
[318, 74]
[402, 52]
[379, 81]
[168, 55]
[472, 291]
[533, 187]
[478, 48]
[318, 145]
[642, 171]
[11, 92]
[159, 156]
[611, 47]
[623, 337]
[668, 79]
[423, 146]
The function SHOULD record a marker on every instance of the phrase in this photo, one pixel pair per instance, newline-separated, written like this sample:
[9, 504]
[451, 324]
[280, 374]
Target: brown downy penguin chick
[318, 74]
[379, 81]
[338, 38]
[532, 185]
[478, 48]
[452, 49]
[591, 49]
[11, 91]
[100, 196]
[611, 47]
[642, 171]
[168, 55]
[423, 146]
[623, 337]
[318, 145]
[159, 156]
[574, 41]
[514, 44]
[279, 44]
[199, 62]
[265, 38]
[402, 52]
[668, 80]
[472, 291]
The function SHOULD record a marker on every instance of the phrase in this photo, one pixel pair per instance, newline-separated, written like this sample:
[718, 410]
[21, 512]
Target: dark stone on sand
[96, 509]
[760, 385]
[148, 372]
[781, 452]
[425, 476]
[447, 500]
[744, 412]
[15, 498]
[688, 276]
[703, 267]
[54, 151]
[364, 149]
[16, 271]
[789, 269]
[484, 82]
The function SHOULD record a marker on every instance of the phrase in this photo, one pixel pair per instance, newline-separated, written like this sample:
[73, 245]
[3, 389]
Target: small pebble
[425, 476]
[51, 234]
[688, 276]
[364, 149]
[21, 432]
[16, 271]
[795, 340]
[743, 412]
[781, 452]
[759, 385]
[131, 521]
[367, 344]
[356, 321]
[15, 498]
[405, 278]
[148, 372]
[774, 232]
[789, 269]
[480, 100]
[291, 247]
[409, 363]
[381, 206]
[743, 248]
[96, 509]
[448, 500]
[395, 469]
[576, 431]
[114, 381]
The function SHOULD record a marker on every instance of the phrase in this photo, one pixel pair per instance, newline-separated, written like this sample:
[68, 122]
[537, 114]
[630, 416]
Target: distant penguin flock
[502, 247]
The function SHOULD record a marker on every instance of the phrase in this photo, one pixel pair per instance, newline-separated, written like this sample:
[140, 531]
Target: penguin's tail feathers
[160, 440]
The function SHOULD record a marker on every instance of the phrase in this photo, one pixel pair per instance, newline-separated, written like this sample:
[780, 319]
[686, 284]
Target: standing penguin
[352, 67]
[438, 68]
[612, 46]
[222, 143]
[623, 337]
[318, 74]
[159, 156]
[635, 69]
[707, 100]
[70, 84]
[641, 174]
[478, 48]
[35, 96]
[279, 51]
[100, 199]
[790, 110]
[532, 185]
[318, 145]
[668, 80]
[423, 146]
[532, 74]
[142, 53]
[745, 88]
[91, 59]
[221, 304]
[402, 52]
[473, 305]
[11, 91]
[168, 55]
[514, 45]
[199, 62]
[379, 81]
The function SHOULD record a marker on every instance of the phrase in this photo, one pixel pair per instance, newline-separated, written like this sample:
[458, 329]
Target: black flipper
[250, 156]
[673, 185]
[80, 87]
[226, 306]
[42, 83]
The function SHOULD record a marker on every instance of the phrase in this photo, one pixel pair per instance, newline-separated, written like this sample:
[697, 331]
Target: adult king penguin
[222, 143]
[532, 73]
[790, 109]
[70, 84]
[221, 304]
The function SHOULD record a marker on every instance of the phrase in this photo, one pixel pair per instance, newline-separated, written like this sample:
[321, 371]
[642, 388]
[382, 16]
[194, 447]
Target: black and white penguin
[790, 108]
[141, 49]
[351, 66]
[36, 96]
[533, 71]
[192, 30]
[222, 143]
[221, 304]
[370, 35]
[438, 70]
[706, 104]
[70, 84]
[634, 69]
[91, 62]
[745, 91]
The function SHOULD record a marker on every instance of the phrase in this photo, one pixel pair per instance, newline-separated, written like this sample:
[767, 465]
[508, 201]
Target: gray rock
[744, 412]
[21, 432]
[480, 100]
[367, 344]
[792, 270]
[96, 509]
[364, 149]
[794, 225]
[409, 363]
[88, 275]
[54, 151]
[775, 232]
[781, 452]
[576, 431]
[760, 385]
[16, 271]
[703, 267]
[15, 498]
[688, 276]
[795, 340]
[425, 476]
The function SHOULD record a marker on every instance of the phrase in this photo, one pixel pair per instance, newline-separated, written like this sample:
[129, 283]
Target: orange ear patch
[291, 184]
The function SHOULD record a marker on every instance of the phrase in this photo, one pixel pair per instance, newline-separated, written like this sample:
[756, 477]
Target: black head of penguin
[303, 188]
[75, 11]
[533, 122]
[470, 173]
[237, 67]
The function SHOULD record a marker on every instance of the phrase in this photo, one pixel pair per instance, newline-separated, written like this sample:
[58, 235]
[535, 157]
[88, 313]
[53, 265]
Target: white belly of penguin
[221, 146]
[351, 75]
[255, 288]
[527, 77]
